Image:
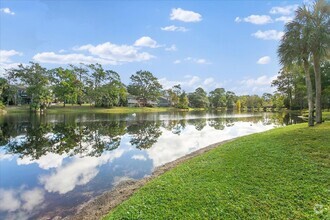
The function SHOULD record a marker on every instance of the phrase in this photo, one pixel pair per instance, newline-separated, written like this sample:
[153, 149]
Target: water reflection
[50, 164]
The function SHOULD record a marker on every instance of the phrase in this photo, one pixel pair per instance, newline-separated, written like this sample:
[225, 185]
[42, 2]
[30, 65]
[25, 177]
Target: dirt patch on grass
[104, 203]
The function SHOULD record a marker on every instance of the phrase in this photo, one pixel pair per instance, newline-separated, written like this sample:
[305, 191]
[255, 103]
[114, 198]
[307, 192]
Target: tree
[316, 21]
[217, 98]
[36, 79]
[183, 101]
[231, 99]
[198, 99]
[82, 75]
[145, 86]
[293, 49]
[66, 85]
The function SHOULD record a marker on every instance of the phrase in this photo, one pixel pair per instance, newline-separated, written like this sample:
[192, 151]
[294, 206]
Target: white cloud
[174, 28]
[116, 53]
[77, 172]
[146, 41]
[189, 82]
[171, 48]
[260, 81]
[264, 60]
[257, 85]
[47, 161]
[185, 16]
[177, 61]
[7, 11]
[255, 19]
[208, 81]
[106, 53]
[32, 198]
[73, 58]
[202, 61]
[285, 19]
[5, 55]
[139, 157]
[238, 19]
[21, 200]
[268, 35]
[197, 60]
[286, 10]
[5, 60]
[8, 200]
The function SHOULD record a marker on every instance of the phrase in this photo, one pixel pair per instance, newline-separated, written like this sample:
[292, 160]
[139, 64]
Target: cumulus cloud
[7, 11]
[114, 52]
[208, 81]
[106, 53]
[146, 41]
[268, 35]
[185, 16]
[6, 61]
[5, 55]
[47, 161]
[174, 28]
[24, 200]
[171, 48]
[264, 60]
[284, 19]
[255, 19]
[286, 10]
[73, 58]
[177, 61]
[257, 85]
[78, 172]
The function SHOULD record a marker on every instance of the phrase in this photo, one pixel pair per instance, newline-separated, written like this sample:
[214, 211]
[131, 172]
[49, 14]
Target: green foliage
[145, 86]
[66, 85]
[279, 174]
[218, 98]
[183, 101]
[36, 80]
[231, 99]
[198, 99]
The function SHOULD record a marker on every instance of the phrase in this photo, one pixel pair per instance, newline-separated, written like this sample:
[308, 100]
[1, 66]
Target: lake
[50, 164]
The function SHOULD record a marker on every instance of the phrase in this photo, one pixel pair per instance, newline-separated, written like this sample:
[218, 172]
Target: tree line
[103, 88]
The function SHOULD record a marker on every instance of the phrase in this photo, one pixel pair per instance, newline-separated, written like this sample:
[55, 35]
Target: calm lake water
[52, 163]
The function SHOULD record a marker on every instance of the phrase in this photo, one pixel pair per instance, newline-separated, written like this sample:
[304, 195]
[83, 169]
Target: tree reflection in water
[91, 135]
[144, 134]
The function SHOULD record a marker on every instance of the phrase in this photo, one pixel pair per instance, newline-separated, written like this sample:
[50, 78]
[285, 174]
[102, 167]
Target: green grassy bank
[279, 174]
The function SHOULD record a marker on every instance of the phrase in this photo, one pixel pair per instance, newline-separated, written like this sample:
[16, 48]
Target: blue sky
[229, 44]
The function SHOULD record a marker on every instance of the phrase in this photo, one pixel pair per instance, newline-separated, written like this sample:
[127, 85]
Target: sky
[208, 44]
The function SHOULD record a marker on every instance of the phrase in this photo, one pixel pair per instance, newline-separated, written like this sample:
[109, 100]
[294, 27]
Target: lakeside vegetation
[282, 173]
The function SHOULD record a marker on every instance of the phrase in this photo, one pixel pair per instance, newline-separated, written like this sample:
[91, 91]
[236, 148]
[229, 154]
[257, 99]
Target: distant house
[163, 101]
[132, 101]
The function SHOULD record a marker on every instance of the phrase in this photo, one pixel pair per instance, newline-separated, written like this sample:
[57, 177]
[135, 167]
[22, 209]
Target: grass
[283, 173]
[90, 109]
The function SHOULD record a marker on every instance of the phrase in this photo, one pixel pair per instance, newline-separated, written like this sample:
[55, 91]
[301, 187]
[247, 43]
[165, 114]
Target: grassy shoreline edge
[281, 173]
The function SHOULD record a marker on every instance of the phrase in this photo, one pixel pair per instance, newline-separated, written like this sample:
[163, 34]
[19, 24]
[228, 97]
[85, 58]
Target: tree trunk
[309, 94]
[318, 108]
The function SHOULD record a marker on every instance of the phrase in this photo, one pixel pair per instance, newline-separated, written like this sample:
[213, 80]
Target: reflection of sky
[28, 186]
[171, 146]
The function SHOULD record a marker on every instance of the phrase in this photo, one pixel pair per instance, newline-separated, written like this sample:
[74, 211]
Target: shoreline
[101, 205]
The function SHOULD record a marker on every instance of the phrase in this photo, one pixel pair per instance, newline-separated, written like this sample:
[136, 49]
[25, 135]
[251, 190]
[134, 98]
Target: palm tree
[293, 50]
[316, 21]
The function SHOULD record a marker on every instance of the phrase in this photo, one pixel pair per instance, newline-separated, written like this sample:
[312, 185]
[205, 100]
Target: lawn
[279, 174]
